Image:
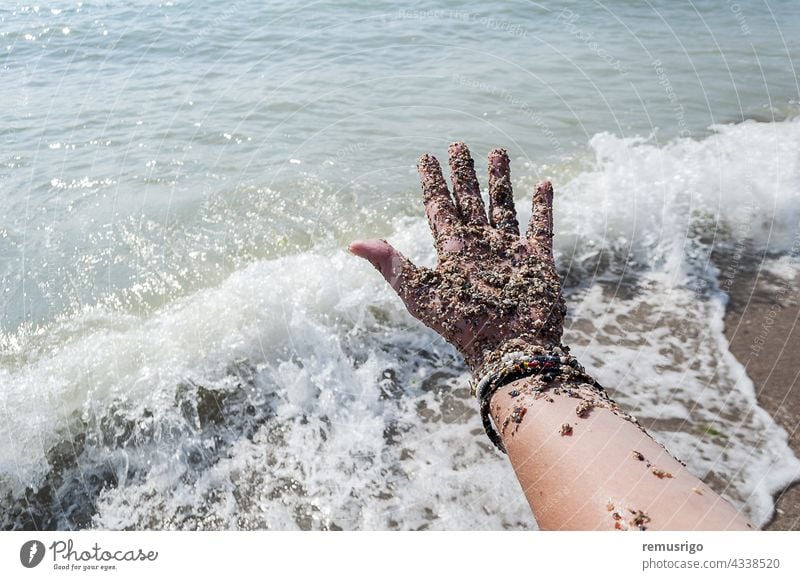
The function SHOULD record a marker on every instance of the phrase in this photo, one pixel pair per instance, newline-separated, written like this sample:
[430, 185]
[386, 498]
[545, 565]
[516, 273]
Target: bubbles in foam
[652, 224]
[297, 393]
[284, 398]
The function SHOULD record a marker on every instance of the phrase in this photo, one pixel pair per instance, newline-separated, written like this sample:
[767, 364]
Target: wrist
[506, 366]
[507, 391]
[524, 343]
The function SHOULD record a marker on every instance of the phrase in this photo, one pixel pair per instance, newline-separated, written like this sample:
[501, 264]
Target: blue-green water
[179, 181]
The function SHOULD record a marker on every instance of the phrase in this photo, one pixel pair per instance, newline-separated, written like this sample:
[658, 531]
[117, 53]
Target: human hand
[492, 291]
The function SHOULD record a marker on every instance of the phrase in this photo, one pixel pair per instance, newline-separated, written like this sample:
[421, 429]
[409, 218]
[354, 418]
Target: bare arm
[600, 471]
[495, 295]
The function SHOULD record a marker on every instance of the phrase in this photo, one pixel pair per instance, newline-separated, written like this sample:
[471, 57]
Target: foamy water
[187, 344]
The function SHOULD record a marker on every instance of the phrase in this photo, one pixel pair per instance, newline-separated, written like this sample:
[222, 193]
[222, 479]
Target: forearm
[598, 471]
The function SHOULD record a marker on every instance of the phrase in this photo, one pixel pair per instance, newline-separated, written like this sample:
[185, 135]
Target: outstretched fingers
[502, 214]
[439, 206]
[540, 229]
[466, 190]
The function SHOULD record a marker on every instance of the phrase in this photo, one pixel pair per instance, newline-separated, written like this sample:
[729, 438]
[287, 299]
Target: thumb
[392, 265]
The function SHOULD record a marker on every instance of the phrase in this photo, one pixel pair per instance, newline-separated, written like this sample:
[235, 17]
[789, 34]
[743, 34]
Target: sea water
[187, 344]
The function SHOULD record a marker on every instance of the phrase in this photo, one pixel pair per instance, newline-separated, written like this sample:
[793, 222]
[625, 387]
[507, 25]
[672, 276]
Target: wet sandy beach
[762, 323]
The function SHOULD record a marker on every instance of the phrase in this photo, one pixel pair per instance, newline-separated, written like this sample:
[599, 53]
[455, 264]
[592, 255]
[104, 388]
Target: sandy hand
[492, 289]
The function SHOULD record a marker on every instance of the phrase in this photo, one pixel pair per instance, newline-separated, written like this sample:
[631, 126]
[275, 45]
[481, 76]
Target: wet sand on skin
[764, 311]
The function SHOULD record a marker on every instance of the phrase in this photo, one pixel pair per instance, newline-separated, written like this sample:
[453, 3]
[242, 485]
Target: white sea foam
[298, 392]
[662, 348]
[295, 325]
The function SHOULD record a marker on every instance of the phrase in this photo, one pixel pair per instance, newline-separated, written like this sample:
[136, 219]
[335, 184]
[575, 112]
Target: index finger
[439, 206]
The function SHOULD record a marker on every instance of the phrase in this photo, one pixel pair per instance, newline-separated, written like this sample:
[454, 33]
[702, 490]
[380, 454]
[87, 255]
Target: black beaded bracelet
[513, 367]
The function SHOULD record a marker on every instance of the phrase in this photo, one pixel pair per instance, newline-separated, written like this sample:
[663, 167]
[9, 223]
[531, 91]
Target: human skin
[494, 292]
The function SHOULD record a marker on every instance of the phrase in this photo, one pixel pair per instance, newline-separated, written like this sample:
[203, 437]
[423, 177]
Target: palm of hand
[491, 288]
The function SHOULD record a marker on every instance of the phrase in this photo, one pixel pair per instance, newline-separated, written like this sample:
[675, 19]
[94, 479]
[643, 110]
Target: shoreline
[762, 326]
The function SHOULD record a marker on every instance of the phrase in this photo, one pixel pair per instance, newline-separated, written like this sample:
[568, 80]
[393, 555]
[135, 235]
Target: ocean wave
[298, 393]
